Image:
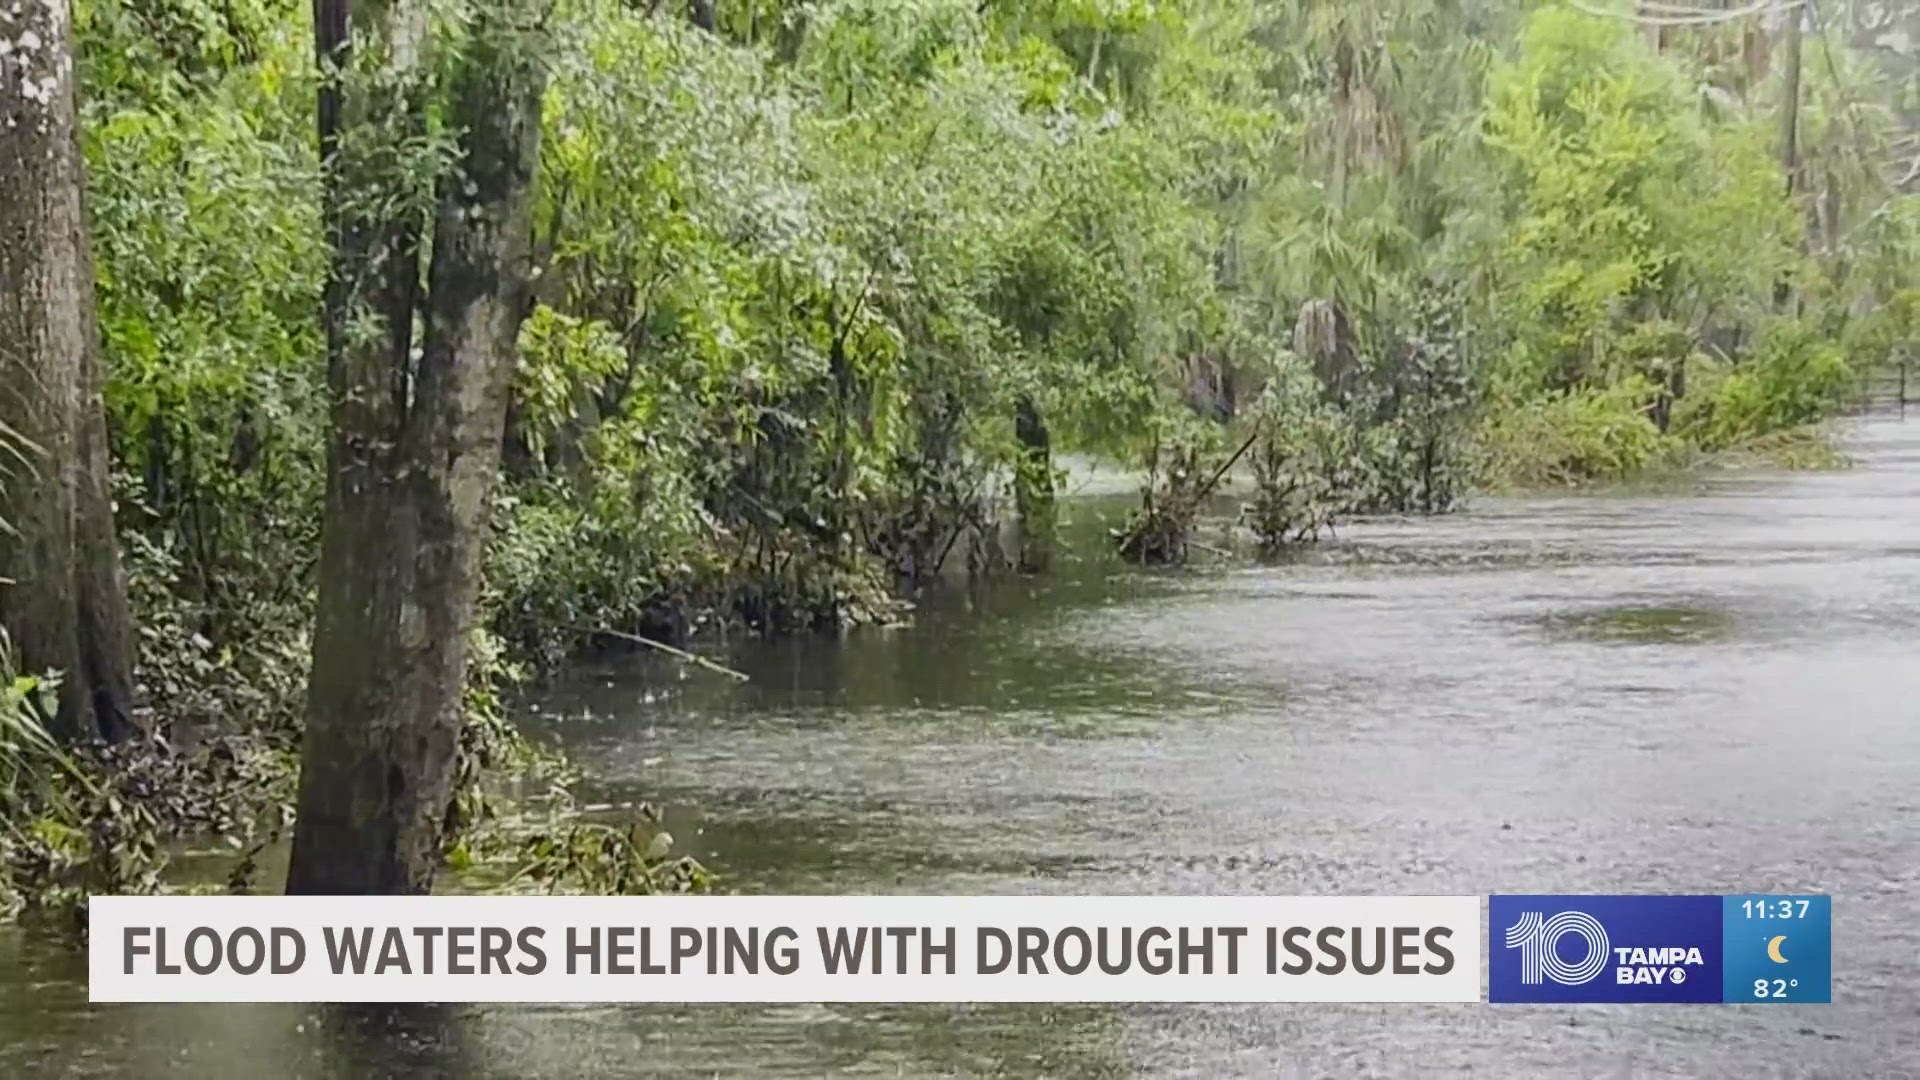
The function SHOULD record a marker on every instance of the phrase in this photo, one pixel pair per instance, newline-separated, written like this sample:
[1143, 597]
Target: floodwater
[1709, 688]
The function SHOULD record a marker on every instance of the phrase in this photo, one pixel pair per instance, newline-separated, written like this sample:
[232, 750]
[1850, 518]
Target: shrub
[1590, 433]
[1793, 377]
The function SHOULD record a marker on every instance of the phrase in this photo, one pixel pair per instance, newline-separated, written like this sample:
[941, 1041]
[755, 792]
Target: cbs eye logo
[1538, 939]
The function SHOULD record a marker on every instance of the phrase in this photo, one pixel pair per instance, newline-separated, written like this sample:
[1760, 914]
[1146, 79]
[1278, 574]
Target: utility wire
[1654, 7]
[1690, 16]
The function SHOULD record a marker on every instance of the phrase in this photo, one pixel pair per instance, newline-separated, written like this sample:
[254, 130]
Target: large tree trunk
[62, 593]
[415, 447]
[1033, 488]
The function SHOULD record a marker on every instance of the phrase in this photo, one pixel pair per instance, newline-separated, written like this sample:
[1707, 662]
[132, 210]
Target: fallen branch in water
[1213, 481]
[1158, 534]
[681, 653]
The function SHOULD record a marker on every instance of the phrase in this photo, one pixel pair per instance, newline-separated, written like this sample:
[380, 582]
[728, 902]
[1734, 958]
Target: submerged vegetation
[814, 292]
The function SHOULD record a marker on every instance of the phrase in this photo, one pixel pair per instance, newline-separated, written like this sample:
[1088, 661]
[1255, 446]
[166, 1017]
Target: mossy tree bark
[415, 444]
[1033, 488]
[62, 591]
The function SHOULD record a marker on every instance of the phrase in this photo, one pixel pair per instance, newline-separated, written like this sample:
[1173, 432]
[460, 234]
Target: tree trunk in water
[1033, 488]
[415, 447]
[62, 592]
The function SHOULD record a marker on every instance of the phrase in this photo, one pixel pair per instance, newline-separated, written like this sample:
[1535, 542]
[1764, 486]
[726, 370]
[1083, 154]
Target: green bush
[1592, 433]
[1792, 377]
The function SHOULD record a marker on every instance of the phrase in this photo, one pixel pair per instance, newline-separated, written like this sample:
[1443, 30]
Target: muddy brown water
[1705, 687]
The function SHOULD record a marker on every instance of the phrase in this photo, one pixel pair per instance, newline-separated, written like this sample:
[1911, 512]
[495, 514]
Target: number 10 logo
[1538, 939]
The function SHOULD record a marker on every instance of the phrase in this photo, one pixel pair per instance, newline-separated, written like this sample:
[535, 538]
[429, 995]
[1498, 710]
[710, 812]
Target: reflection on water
[1704, 690]
[1643, 624]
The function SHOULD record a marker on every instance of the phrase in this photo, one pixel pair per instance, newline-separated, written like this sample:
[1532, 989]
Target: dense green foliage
[799, 278]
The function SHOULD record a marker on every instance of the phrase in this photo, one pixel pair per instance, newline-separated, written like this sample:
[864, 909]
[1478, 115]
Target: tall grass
[15, 451]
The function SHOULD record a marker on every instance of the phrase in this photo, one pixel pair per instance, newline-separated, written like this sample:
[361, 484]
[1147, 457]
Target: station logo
[1604, 948]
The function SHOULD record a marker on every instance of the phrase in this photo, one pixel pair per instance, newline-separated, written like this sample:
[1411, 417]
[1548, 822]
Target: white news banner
[785, 948]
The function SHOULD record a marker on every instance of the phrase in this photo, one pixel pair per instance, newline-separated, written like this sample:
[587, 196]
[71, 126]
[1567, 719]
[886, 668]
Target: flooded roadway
[1706, 688]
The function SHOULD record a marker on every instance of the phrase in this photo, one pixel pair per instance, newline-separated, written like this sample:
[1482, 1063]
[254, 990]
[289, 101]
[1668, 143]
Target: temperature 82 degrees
[1778, 949]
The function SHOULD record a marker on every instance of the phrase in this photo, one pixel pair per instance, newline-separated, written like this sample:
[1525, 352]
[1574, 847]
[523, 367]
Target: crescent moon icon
[1773, 950]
